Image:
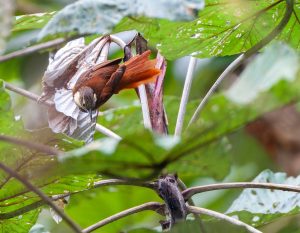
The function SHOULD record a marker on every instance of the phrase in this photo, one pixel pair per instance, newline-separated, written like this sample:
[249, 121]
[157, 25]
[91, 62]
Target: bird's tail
[139, 70]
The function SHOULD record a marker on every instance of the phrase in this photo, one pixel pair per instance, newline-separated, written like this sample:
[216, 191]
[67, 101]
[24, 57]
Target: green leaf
[103, 202]
[8, 123]
[223, 28]
[261, 206]
[19, 224]
[103, 15]
[135, 155]
[121, 120]
[143, 155]
[38, 228]
[32, 21]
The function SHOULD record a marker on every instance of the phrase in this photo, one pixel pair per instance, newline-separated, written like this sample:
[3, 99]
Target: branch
[145, 106]
[107, 132]
[185, 95]
[236, 63]
[48, 103]
[44, 197]
[32, 49]
[31, 145]
[154, 206]
[26, 94]
[151, 185]
[199, 210]
[205, 188]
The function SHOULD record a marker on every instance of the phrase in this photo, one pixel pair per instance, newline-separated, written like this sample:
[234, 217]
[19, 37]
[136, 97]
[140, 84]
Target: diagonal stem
[32, 49]
[199, 210]
[185, 95]
[236, 63]
[154, 206]
[188, 193]
[44, 197]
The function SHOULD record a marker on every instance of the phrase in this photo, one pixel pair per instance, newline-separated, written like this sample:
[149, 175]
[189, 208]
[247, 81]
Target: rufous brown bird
[97, 85]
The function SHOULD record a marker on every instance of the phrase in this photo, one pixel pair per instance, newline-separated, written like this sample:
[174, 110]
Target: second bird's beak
[91, 114]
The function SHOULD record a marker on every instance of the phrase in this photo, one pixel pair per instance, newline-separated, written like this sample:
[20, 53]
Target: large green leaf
[261, 206]
[103, 15]
[19, 224]
[223, 28]
[142, 155]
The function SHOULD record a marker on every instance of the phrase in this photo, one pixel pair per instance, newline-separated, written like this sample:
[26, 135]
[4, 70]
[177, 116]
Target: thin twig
[236, 63]
[145, 106]
[185, 95]
[48, 103]
[32, 49]
[154, 206]
[107, 132]
[26, 94]
[44, 197]
[199, 210]
[188, 193]
[31, 145]
[102, 183]
[190, 201]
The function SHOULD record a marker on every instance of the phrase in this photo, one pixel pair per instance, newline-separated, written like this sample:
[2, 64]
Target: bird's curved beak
[91, 114]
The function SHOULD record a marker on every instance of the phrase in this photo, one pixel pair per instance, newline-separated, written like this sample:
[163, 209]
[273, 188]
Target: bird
[98, 84]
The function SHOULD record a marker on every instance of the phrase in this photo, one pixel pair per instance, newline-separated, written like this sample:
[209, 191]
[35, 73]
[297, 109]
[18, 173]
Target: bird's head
[85, 99]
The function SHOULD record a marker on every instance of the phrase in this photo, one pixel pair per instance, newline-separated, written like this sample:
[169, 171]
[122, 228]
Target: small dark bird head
[85, 99]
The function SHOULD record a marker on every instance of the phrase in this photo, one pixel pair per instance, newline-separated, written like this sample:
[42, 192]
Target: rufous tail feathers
[139, 70]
